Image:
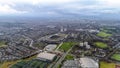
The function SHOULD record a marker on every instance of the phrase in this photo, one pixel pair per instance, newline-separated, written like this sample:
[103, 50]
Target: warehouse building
[44, 56]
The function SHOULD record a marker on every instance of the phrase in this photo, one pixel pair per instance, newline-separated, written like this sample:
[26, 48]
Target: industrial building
[44, 56]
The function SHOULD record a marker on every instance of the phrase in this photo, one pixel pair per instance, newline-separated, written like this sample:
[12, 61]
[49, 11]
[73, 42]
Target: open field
[106, 65]
[103, 34]
[66, 46]
[2, 44]
[101, 45]
[116, 57]
[10, 63]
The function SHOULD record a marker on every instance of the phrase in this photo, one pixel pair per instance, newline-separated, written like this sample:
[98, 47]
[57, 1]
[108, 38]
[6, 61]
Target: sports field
[116, 57]
[103, 34]
[100, 44]
[104, 64]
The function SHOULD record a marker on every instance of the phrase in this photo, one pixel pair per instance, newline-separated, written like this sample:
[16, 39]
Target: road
[31, 42]
[62, 58]
[58, 46]
[115, 48]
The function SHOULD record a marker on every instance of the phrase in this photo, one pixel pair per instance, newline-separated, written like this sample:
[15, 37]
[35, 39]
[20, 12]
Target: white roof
[45, 55]
[88, 63]
[50, 47]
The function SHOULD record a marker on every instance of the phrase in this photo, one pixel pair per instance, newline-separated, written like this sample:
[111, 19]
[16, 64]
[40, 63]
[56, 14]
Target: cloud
[51, 1]
[40, 7]
[111, 3]
[6, 9]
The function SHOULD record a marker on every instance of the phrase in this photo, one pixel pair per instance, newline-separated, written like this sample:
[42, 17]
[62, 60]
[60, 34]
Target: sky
[59, 7]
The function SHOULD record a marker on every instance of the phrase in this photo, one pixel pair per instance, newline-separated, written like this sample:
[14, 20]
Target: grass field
[101, 44]
[69, 57]
[106, 65]
[2, 44]
[116, 57]
[66, 46]
[103, 34]
[59, 66]
[10, 63]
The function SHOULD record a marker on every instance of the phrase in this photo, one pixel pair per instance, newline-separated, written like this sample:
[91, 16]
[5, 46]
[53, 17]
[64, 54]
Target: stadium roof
[50, 47]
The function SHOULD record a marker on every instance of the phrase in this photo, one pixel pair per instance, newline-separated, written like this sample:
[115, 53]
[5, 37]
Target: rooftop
[50, 47]
[47, 56]
[70, 64]
[88, 63]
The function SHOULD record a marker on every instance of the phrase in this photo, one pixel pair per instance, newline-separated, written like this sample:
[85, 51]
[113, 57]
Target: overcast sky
[59, 7]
